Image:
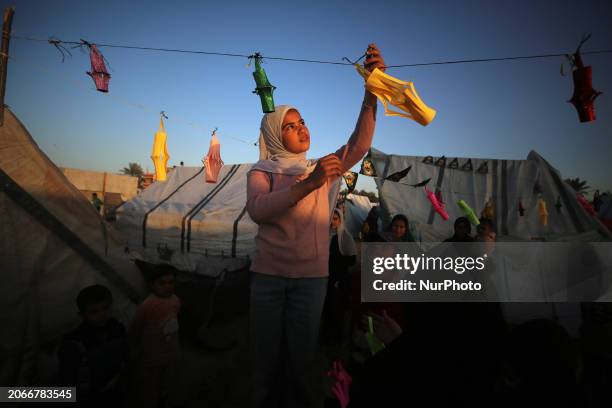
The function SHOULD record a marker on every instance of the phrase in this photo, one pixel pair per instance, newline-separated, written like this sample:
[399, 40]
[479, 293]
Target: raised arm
[361, 138]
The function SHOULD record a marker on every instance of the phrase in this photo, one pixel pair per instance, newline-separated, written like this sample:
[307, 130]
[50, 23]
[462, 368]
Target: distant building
[112, 189]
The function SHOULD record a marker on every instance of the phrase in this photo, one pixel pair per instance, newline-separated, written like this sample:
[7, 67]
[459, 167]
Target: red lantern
[584, 95]
[98, 69]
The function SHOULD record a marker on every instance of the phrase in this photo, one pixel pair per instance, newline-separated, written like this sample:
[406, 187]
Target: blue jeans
[285, 315]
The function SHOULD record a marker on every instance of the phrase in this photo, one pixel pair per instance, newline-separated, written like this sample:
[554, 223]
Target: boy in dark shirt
[93, 355]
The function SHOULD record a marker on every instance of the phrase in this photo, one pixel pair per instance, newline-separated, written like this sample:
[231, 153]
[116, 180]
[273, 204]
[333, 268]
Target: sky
[484, 110]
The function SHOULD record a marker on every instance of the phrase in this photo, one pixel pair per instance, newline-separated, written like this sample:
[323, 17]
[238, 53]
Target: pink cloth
[155, 322]
[293, 240]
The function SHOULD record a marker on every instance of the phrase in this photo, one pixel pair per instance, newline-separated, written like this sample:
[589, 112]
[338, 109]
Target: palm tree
[133, 169]
[580, 186]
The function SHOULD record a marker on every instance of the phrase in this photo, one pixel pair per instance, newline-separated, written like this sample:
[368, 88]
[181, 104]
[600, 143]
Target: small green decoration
[264, 88]
[373, 342]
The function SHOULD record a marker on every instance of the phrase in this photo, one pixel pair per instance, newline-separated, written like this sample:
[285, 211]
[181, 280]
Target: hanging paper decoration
[367, 167]
[98, 73]
[350, 178]
[341, 388]
[264, 88]
[212, 161]
[558, 205]
[584, 95]
[467, 166]
[586, 205]
[437, 205]
[428, 160]
[160, 152]
[373, 342]
[521, 209]
[484, 168]
[390, 90]
[488, 212]
[454, 164]
[422, 183]
[397, 176]
[439, 196]
[542, 212]
[468, 212]
[441, 162]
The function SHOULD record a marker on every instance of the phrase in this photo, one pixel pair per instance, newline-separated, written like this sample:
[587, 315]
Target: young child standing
[92, 356]
[287, 196]
[154, 338]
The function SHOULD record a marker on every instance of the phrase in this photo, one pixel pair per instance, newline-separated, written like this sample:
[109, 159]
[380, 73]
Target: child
[288, 197]
[154, 337]
[93, 355]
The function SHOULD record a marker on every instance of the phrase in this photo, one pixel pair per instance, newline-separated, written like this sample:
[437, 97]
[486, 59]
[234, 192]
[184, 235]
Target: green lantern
[264, 88]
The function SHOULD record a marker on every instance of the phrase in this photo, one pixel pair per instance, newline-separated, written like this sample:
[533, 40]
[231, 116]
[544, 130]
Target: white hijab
[273, 156]
[346, 244]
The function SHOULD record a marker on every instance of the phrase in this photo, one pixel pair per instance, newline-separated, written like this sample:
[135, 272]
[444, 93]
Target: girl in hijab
[342, 255]
[288, 197]
[400, 229]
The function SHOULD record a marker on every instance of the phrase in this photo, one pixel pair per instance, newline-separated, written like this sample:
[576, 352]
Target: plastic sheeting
[508, 183]
[53, 244]
[205, 226]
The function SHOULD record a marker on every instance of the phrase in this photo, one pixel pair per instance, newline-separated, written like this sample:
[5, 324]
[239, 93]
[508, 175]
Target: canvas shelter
[506, 183]
[197, 226]
[53, 244]
[509, 184]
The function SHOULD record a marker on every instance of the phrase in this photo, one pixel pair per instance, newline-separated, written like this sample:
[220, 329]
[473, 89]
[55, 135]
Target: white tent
[507, 183]
[53, 244]
[197, 226]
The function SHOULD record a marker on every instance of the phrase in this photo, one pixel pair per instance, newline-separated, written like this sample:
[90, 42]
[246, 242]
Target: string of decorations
[122, 100]
[56, 42]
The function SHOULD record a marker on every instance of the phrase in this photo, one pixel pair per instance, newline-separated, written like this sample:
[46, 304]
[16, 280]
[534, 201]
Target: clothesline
[313, 61]
[127, 102]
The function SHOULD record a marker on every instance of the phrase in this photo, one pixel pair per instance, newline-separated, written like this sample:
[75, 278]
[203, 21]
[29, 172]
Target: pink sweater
[293, 240]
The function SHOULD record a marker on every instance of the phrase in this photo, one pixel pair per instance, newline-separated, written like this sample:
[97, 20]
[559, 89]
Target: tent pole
[6, 39]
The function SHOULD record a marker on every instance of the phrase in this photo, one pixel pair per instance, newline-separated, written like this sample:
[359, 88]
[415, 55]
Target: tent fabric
[53, 244]
[197, 221]
[506, 183]
[356, 208]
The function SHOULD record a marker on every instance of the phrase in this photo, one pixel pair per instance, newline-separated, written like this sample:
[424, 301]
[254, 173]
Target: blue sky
[495, 110]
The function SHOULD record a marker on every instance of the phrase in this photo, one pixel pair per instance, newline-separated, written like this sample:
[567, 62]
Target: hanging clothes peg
[212, 161]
